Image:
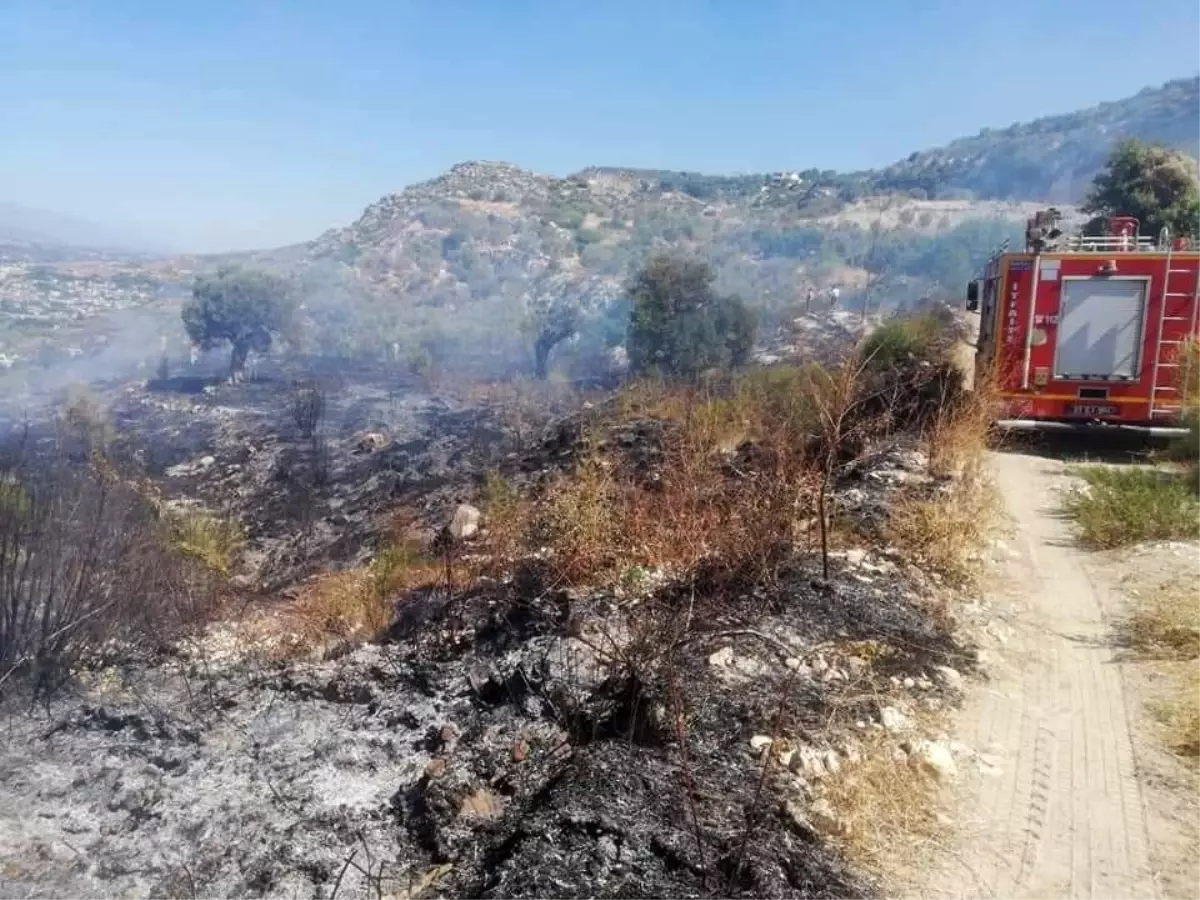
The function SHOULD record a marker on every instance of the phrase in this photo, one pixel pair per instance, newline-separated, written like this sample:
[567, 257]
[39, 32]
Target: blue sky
[229, 124]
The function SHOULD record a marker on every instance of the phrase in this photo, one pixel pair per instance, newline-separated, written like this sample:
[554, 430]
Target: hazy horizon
[243, 126]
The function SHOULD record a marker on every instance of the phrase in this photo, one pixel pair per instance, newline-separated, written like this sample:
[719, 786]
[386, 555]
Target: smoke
[120, 345]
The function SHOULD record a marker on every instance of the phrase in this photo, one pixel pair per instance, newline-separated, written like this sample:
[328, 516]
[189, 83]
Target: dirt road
[1053, 807]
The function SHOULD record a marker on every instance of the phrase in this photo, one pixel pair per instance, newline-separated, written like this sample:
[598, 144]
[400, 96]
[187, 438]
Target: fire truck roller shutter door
[1100, 328]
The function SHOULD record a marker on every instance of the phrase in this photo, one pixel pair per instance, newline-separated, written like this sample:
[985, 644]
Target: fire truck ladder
[1174, 404]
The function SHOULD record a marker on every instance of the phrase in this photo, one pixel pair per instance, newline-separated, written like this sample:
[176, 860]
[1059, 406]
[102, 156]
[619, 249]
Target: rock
[910, 683]
[791, 662]
[748, 665]
[819, 665]
[949, 676]
[465, 523]
[206, 462]
[832, 763]
[822, 815]
[722, 658]
[894, 720]
[370, 441]
[795, 814]
[855, 557]
[759, 743]
[808, 762]
[435, 768]
[933, 757]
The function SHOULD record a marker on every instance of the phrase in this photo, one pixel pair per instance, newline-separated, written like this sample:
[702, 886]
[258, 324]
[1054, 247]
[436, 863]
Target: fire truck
[1087, 330]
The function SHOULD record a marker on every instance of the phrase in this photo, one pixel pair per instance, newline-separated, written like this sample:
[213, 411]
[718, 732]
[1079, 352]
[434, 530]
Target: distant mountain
[51, 232]
[461, 268]
[1055, 158]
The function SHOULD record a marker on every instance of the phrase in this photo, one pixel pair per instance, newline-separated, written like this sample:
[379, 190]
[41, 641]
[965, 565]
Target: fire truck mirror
[972, 296]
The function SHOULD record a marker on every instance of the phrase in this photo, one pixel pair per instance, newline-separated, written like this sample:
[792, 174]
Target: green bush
[1129, 505]
[679, 325]
[901, 340]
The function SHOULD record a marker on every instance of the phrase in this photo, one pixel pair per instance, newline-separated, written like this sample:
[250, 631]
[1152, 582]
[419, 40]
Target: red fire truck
[1086, 330]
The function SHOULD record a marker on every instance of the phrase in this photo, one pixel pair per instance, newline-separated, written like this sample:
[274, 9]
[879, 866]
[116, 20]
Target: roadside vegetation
[706, 511]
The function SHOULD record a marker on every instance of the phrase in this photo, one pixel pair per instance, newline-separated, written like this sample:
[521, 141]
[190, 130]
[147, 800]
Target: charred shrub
[85, 564]
[307, 408]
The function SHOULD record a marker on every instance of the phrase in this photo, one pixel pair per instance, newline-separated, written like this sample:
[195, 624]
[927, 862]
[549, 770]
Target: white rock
[748, 665]
[949, 676]
[808, 762]
[893, 720]
[465, 523]
[796, 814]
[760, 742]
[791, 662]
[206, 461]
[722, 658]
[855, 557]
[832, 763]
[934, 757]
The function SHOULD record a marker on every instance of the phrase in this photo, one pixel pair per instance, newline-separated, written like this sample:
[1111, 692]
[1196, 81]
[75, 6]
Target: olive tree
[1153, 183]
[243, 307]
[680, 325]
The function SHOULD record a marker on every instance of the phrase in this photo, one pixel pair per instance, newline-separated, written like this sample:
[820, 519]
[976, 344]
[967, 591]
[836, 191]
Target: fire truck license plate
[1091, 410]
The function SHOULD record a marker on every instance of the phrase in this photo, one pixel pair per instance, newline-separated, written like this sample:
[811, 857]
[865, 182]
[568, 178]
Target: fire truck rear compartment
[1100, 327]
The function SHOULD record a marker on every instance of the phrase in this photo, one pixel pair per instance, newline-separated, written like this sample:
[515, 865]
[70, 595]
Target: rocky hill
[472, 259]
[1054, 158]
[462, 266]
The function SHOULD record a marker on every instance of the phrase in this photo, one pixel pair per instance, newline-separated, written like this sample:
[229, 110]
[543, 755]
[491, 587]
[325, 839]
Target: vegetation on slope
[1055, 158]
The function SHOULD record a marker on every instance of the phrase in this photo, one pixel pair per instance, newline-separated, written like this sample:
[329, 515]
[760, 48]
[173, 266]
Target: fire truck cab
[1082, 330]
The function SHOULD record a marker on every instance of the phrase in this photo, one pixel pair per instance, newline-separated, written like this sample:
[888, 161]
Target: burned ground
[516, 738]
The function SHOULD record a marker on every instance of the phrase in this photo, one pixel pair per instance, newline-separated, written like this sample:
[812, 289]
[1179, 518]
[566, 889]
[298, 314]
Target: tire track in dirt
[1054, 808]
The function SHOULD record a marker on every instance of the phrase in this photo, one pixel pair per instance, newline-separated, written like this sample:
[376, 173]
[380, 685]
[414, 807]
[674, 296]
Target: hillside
[458, 270]
[1054, 159]
[506, 245]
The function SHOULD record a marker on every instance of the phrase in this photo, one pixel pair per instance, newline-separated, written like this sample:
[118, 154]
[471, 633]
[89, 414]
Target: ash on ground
[512, 740]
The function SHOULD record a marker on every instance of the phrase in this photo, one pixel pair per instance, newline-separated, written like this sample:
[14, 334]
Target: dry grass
[961, 433]
[1180, 713]
[213, 540]
[1165, 625]
[604, 518]
[888, 810]
[359, 604]
[946, 533]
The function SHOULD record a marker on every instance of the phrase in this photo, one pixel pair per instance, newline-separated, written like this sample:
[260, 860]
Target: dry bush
[359, 605]
[1166, 624]
[86, 565]
[339, 606]
[1181, 717]
[944, 533]
[887, 810]
[214, 540]
[961, 433]
[703, 504]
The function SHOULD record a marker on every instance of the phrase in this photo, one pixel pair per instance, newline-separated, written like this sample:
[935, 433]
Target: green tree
[1153, 183]
[678, 323]
[241, 306]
